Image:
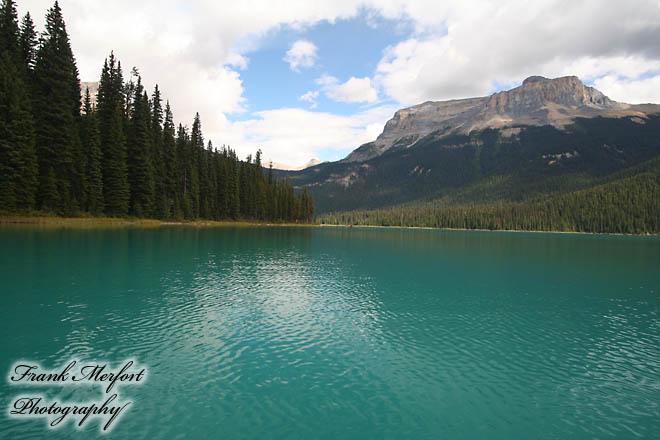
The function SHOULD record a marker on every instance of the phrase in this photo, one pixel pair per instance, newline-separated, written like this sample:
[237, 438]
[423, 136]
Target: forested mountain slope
[514, 164]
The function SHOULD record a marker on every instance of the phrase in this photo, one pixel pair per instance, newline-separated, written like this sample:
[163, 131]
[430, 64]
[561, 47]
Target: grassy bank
[113, 222]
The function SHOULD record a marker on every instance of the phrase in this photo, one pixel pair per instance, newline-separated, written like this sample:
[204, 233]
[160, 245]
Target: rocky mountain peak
[538, 101]
[537, 94]
[534, 78]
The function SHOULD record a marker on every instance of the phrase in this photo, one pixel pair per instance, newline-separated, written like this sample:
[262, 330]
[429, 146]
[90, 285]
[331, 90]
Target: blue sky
[311, 78]
[346, 48]
[270, 82]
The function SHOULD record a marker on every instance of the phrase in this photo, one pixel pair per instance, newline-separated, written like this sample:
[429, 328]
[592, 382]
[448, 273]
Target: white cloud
[293, 136]
[301, 54]
[238, 61]
[461, 49]
[415, 71]
[353, 90]
[633, 91]
[310, 97]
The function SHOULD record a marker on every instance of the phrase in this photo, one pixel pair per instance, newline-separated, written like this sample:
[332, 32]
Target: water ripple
[277, 333]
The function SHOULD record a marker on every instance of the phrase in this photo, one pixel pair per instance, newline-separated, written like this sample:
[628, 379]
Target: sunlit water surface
[339, 333]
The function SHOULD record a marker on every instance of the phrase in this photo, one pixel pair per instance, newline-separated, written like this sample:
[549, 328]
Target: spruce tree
[243, 188]
[260, 197]
[18, 163]
[110, 111]
[210, 189]
[196, 156]
[9, 33]
[156, 117]
[56, 98]
[233, 201]
[140, 165]
[92, 146]
[222, 176]
[28, 42]
[170, 166]
[185, 170]
[161, 207]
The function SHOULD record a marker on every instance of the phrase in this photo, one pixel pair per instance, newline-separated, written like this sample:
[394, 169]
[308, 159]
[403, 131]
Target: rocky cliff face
[93, 90]
[538, 101]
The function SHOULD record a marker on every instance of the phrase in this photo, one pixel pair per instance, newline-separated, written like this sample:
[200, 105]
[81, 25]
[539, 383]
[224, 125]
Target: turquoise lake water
[337, 333]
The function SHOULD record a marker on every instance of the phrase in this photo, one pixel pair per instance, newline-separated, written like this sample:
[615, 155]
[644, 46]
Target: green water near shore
[340, 333]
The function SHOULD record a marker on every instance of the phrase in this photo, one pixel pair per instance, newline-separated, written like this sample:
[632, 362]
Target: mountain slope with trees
[601, 175]
[497, 177]
[628, 203]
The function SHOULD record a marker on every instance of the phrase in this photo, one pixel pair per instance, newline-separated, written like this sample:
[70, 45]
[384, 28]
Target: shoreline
[648, 234]
[102, 222]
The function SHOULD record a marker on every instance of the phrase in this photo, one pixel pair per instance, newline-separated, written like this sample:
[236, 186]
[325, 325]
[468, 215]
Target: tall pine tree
[170, 166]
[196, 151]
[161, 207]
[28, 42]
[18, 163]
[140, 162]
[110, 111]
[56, 98]
[92, 146]
[183, 150]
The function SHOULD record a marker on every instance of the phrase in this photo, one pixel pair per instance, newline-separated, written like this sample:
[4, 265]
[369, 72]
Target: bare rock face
[410, 124]
[537, 91]
[538, 101]
[93, 88]
[534, 78]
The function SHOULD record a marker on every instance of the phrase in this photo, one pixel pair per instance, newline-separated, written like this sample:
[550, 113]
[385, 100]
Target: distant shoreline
[490, 230]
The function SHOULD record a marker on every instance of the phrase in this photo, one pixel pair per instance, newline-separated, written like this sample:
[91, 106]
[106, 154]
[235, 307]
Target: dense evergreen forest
[64, 154]
[629, 203]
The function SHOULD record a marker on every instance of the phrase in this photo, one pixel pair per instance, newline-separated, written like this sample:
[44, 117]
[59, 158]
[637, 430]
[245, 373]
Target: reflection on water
[344, 333]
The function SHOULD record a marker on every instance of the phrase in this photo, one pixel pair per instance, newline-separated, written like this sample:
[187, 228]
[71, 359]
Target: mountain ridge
[537, 101]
